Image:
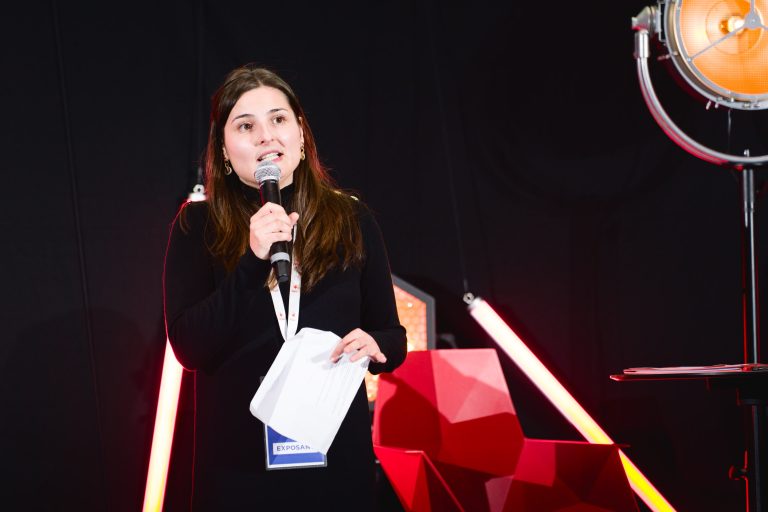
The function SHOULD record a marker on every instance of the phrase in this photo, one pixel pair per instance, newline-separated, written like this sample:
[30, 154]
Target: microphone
[267, 175]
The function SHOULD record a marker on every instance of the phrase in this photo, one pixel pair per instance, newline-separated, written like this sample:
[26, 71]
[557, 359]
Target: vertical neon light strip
[162, 439]
[522, 356]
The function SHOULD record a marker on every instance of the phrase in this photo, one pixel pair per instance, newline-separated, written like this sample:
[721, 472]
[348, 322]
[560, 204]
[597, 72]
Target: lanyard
[288, 323]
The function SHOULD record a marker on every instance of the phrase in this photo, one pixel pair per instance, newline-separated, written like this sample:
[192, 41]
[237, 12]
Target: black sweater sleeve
[201, 317]
[379, 311]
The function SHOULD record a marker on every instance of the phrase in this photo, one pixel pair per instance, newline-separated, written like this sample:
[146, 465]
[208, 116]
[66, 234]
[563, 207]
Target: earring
[303, 154]
[227, 167]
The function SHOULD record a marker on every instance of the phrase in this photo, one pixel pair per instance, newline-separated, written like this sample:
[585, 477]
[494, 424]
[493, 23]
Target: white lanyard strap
[288, 323]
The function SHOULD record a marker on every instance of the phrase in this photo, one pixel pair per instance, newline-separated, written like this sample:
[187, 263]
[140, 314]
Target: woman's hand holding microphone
[269, 225]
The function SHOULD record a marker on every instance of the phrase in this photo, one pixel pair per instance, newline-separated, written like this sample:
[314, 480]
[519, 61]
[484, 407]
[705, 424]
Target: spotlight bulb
[731, 24]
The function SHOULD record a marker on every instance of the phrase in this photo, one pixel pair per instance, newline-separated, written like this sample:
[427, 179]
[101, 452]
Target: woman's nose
[262, 134]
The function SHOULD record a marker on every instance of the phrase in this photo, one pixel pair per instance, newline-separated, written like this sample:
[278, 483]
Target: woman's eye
[278, 119]
[245, 127]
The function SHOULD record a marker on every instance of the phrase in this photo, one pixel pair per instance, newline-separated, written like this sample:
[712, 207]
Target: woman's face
[262, 126]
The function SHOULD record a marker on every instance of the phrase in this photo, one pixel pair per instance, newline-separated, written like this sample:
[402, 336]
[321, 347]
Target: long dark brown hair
[328, 233]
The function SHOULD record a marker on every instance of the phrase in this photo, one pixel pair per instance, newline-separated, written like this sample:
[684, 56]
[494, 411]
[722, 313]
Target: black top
[223, 326]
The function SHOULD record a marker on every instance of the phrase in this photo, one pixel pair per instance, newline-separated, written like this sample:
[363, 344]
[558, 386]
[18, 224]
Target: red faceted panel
[447, 435]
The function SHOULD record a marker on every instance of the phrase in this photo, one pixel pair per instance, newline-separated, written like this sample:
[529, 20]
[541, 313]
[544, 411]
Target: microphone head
[266, 170]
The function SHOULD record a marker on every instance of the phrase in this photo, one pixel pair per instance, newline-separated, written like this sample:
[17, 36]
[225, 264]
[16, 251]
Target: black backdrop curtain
[502, 145]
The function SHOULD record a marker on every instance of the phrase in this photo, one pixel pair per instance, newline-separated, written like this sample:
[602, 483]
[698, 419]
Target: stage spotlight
[720, 48]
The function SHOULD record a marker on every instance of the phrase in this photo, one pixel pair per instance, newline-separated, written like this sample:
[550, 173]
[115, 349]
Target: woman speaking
[221, 313]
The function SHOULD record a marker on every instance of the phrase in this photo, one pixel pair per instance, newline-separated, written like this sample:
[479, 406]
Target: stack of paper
[305, 396]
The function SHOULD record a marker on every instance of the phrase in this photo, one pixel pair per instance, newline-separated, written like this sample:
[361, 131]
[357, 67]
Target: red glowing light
[556, 393]
[162, 439]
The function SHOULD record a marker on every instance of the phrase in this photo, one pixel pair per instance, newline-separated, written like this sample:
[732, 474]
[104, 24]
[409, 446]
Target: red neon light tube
[535, 370]
[162, 439]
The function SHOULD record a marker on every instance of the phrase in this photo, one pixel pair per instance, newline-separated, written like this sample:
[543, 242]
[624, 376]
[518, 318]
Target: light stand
[721, 50]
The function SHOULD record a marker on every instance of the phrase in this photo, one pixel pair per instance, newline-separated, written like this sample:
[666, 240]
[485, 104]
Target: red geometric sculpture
[447, 436]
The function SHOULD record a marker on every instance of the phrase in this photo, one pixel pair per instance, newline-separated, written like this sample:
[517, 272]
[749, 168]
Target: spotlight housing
[720, 48]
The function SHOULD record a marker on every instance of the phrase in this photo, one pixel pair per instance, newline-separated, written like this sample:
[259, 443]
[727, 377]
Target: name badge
[285, 453]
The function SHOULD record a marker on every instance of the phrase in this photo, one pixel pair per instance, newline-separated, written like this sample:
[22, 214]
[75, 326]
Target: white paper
[304, 395]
